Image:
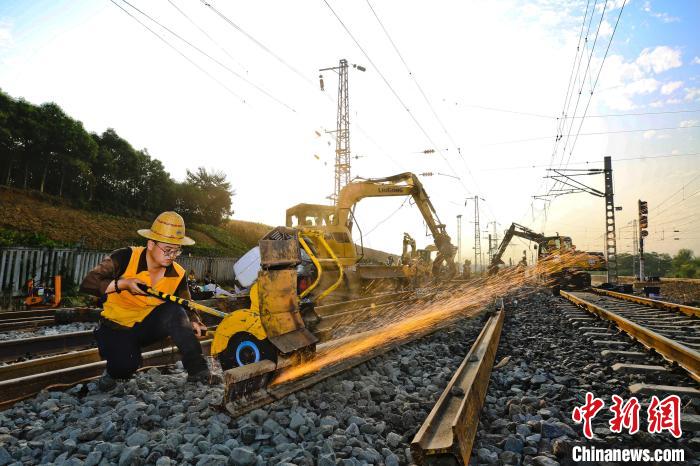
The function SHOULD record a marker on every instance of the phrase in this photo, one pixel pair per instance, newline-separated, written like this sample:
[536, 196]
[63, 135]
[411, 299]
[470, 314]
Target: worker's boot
[203, 376]
[105, 383]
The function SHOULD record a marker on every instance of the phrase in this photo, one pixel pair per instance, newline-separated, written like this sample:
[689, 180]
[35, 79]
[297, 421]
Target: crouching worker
[131, 319]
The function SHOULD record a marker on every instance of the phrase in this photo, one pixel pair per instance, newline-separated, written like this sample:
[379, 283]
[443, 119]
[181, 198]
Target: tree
[685, 264]
[205, 197]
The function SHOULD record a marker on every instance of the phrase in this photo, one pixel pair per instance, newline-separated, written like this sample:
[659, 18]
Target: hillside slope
[34, 219]
[31, 219]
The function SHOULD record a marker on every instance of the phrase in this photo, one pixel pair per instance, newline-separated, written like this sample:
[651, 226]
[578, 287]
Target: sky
[488, 86]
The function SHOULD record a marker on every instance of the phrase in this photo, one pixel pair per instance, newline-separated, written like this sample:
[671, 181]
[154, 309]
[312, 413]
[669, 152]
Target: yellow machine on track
[273, 326]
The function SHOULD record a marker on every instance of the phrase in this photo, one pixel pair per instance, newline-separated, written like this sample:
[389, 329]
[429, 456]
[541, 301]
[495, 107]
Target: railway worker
[130, 319]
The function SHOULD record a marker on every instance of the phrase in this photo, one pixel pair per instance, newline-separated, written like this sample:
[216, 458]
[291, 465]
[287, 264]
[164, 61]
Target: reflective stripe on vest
[127, 309]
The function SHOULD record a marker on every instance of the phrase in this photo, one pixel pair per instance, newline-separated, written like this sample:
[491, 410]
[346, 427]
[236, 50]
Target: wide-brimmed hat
[168, 227]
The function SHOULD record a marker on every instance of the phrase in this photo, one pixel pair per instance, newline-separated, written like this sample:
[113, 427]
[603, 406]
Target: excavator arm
[403, 184]
[514, 230]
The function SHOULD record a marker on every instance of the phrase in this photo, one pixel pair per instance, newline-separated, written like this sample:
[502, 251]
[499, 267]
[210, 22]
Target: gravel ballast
[527, 415]
[46, 331]
[367, 415]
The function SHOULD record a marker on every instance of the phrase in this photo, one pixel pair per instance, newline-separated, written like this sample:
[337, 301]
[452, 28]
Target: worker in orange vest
[130, 318]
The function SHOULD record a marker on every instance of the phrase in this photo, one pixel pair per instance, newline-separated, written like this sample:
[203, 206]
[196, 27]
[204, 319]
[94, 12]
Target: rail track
[454, 413]
[70, 358]
[657, 325]
[35, 318]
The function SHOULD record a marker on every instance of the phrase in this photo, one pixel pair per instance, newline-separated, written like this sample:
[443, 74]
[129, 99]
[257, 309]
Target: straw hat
[168, 227]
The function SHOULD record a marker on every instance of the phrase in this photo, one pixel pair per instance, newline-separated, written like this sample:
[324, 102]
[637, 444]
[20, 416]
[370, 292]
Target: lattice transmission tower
[342, 129]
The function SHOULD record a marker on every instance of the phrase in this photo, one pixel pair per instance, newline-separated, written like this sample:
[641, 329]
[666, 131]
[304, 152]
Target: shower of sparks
[401, 323]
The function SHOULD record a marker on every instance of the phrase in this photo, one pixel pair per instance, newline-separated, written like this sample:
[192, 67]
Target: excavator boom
[403, 184]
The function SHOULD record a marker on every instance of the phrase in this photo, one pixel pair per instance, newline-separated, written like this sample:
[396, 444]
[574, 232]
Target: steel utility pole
[459, 239]
[635, 248]
[572, 186]
[610, 240]
[643, 233]
[477, 237]
[342, 131]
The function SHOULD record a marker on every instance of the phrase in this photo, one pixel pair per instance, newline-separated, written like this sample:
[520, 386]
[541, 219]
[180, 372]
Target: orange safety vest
[127, 309]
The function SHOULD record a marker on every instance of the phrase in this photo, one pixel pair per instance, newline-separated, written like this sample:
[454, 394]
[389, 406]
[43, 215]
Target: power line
[223, 65]
[605, 56]
[386, 218]
[207, 35]
[540, 138]
[180, 53]
[422, 92]
[394, 93]
[603, 115]
[569, 87]
[256, 41]
[665, 211]
[669, 197]
[586, 162]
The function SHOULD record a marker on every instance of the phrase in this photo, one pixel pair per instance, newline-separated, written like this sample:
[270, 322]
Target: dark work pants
[121, 346]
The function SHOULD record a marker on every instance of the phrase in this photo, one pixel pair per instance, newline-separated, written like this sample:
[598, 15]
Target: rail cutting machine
[252, 344]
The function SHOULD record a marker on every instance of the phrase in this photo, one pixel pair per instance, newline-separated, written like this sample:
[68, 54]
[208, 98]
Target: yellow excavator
[335, 223]
[571, 273]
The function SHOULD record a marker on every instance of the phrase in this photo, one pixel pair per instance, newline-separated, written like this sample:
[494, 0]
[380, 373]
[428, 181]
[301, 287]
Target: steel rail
[36, 346]
[655, 303]
[17, 389]
[14, 315]
[11, 350]
[26, 324]
[276, 392]
[686, 357]
[447, 434]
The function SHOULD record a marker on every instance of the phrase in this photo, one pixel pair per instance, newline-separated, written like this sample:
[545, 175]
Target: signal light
[643, 222]
[643, 218]
[643, 208]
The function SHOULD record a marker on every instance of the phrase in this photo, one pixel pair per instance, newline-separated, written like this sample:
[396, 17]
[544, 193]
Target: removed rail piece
[447, 435]
[687, 358]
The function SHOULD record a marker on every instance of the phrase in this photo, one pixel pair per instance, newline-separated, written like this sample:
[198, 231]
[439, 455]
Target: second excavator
[570, 269]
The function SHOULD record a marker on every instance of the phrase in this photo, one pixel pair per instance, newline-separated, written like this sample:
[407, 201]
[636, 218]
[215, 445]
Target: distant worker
[390, 260]
[131, 319]
[523, 261]
[192, 278]
[467, 269]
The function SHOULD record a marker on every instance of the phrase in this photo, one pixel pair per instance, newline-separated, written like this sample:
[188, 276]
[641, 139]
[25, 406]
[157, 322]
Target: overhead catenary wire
[195, 64]
[222, 65]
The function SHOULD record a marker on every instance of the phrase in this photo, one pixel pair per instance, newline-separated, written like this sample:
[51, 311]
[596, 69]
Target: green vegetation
[683, 265]
[43, 149]
[39, 220]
